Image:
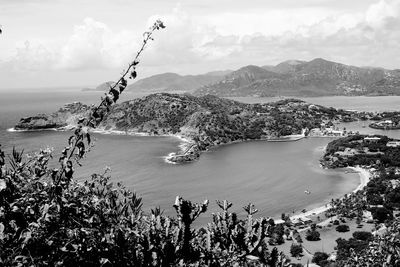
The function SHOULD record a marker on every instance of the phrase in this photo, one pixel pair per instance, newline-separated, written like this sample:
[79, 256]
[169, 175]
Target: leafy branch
[76, 148]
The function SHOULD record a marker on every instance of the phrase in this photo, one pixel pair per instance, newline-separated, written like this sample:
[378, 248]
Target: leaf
[133, 74]
[1, 231]
[104, 261]
[81, 149]
[89, 140]
[26, 235]
[45, 209]
[115, 94]
[3, 185]
[121, 88]
[252, 258]
[123, 82]
[109, 100]
[95, 115]
[81, 120]
[69, 171]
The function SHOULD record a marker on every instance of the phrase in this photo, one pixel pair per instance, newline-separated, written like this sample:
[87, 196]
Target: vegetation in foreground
[48, 219]
[98, 223]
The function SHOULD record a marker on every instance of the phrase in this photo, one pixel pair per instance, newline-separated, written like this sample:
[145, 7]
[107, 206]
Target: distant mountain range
[169, 82]
[318, 77]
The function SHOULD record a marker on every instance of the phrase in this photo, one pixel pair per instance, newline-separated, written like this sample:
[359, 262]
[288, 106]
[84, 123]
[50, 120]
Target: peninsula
[204, 121]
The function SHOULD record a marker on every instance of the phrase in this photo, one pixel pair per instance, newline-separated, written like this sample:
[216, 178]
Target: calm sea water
[273, 176]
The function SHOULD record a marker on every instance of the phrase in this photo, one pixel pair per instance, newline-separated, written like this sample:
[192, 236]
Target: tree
[296, 250]
[363, 235]
[344, 247]
[342, 228]
[319, 257]
[299, 239]
[358, 222]
[382, 214]
[312, 235]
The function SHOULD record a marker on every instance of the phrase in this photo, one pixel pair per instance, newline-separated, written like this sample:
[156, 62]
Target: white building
[393, 144]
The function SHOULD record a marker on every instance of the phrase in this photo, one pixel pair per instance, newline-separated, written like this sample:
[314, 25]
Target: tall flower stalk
[81, 139]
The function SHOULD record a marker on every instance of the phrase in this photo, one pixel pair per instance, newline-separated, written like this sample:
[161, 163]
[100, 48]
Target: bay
[271, 175]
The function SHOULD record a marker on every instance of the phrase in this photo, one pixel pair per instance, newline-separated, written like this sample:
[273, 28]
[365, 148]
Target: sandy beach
[364, 174]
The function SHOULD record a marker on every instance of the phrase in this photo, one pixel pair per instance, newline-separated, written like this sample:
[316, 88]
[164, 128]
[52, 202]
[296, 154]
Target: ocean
[272, 175]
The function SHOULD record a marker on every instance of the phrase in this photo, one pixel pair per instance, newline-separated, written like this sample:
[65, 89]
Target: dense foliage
[320, 258]
[99, 223]
[380, 197]
[312, 234]
[342, 228]
[358, 150]
[296, 250]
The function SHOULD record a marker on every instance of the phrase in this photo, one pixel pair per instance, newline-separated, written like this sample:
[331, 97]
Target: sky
[71, 43]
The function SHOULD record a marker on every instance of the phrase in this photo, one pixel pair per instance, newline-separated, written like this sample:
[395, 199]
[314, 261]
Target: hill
[317, 77]
[206, 120]
[104, 87]
[169, 82]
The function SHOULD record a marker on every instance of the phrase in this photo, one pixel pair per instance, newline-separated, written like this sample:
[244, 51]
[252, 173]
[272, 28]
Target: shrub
[363, 235]
[342, 228]
[382, 214]
[98, 223]
[319, 257]
[344, 247]
[312, 235]
[296, 250]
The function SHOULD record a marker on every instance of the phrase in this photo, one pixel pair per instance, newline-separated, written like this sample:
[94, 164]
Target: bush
[362, 235]
[319, 257]
[296, 250]
[97, 223]
[312, 235]
[382, 214]
[344, 247]
[342, 228]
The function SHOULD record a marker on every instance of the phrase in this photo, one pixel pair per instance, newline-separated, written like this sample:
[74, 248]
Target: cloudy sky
[49, 43]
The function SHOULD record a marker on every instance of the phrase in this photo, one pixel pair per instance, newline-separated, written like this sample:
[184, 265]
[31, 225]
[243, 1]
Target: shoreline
[363, 173]
[184, 141]
[365, 176]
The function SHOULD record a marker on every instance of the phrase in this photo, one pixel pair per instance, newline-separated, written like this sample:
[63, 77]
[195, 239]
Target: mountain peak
[292, 62]
[319, 60]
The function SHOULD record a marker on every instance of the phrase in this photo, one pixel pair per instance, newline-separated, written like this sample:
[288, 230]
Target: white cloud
[32, 56]
[94, 45]
[201, 43]
[377, 13]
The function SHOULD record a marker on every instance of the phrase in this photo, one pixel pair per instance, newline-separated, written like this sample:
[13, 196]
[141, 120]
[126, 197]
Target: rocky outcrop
[39, 122]
[190, 154]
[64, 117]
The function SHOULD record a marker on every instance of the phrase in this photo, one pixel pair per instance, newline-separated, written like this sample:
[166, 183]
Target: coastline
[185, 142]
[364, 174]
